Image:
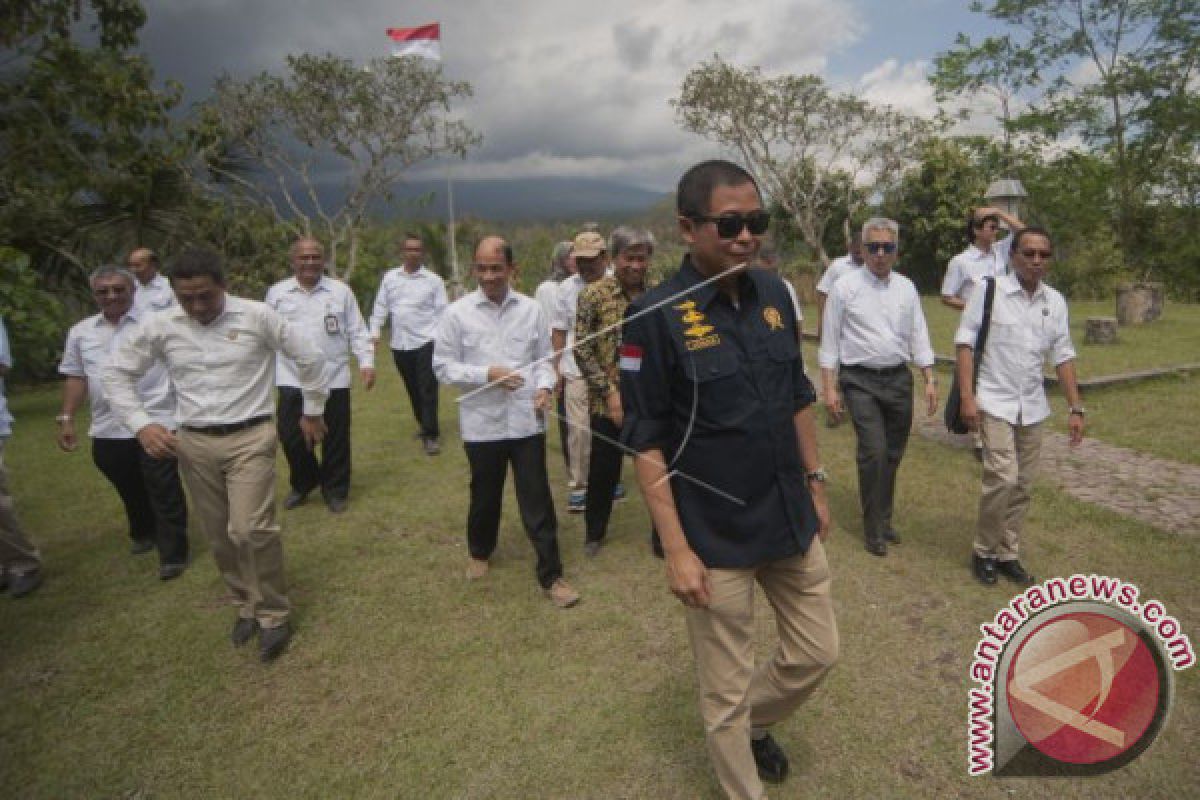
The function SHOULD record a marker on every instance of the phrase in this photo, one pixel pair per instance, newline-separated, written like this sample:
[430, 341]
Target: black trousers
[604, 472]
[489, 465]
[560, 406]
[151, 493]
[416, 368]
[332, 472]
[881, 406]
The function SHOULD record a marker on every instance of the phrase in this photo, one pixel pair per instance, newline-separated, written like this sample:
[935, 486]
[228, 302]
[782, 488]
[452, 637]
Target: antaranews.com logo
[1075, 677]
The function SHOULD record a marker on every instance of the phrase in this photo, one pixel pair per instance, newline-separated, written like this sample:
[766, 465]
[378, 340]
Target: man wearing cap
[494, 344]
[20, 562]
[220, 351]
[149, 487]
[413, 297]
[591, 263]
[327, 311]
[873, 327]
[153, 289]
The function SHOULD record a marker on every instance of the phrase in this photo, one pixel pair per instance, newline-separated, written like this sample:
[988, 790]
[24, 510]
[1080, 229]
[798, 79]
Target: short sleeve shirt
[716, 388]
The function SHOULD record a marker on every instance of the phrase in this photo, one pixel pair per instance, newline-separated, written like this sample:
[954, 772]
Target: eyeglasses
[1045, 255]
[729, 226]
[875, 248]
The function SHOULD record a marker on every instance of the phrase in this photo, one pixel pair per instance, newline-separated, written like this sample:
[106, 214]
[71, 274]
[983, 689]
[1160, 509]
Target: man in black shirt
[719, 409]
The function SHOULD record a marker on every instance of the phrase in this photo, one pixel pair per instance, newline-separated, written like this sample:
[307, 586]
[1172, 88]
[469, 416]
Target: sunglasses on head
[875, 248]
[730, 225]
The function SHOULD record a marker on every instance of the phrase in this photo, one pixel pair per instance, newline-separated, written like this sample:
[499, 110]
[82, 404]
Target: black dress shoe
[984, 569]
[1014, 572]
[876, 547]
[140, 546]
[168, 572]
[770, 759]
[273, 641]
[243, 631]
[21, 585]
[891, 537]
[336, 504]
[294, 499]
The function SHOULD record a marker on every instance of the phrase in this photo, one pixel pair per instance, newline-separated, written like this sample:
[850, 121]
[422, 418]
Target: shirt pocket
[716, 381]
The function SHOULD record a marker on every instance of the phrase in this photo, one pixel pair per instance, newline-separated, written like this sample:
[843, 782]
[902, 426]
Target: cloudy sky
[577, 89]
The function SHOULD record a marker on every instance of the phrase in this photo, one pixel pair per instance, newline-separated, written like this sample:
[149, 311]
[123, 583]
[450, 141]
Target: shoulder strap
[989, 299]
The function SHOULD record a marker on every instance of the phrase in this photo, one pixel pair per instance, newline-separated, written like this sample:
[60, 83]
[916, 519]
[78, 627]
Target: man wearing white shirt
[1029, 323]
[327, 311]
[983, 258]
[591, 264]
[20, 562]
[220, 351]
[494, 344]
[562, 266]
[413, 298]
[153, 289]
[834, 272]
[149, 487]
[873, 327]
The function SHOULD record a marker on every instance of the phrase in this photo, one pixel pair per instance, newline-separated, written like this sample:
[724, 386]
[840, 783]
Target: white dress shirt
[1024, 331]
[837, 268]
[547, 297]
[791, 290]
[328, 314]
[91, 345]
[968, 269]
[873, 322]
[153, 296]
[223, 372]
[475, 334]
[414, 301]
[6, 360]
[566, 307]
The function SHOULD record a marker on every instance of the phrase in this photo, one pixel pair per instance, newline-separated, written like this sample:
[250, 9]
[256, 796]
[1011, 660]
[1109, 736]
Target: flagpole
[455, 281]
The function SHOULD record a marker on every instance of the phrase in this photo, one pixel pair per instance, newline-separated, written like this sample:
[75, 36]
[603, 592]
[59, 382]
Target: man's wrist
[1074, 411]
[64, 418]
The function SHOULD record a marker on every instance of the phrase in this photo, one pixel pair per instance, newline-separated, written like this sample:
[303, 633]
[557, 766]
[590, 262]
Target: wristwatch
[819, 475]
[1080, 410]
[61, 418]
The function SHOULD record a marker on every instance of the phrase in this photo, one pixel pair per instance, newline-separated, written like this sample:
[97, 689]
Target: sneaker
[21, 585]
[561, 594]
[619, 491]
[577, 501]
[891, 537]
[770, 759]
[168, 572]
[477, 568]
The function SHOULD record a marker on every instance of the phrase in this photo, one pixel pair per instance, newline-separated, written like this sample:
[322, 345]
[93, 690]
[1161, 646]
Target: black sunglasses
[875, 248]
[730, 225]
[1046, 255]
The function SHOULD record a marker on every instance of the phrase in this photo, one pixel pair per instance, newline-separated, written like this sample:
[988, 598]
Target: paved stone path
[1162, 493]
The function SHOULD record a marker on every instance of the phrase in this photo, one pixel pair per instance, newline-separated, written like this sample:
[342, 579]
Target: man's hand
[66, 436]
[508, 378]
[1075, 429]
[931, 398]
[157, 441]
[368, 377]
[969, 413]
[314, 430]
[688, 579]
[833, 403]
[821, 503]
[615, 412]
[541, 400]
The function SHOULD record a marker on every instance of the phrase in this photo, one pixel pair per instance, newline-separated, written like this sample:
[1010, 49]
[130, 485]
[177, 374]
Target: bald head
[143, 263]
[494, 267]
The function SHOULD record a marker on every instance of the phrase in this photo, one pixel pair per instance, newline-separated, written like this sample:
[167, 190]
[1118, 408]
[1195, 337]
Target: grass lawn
[405, 681]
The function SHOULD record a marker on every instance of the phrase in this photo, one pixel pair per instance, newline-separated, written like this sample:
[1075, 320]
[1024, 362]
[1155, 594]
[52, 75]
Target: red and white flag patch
[631, 358]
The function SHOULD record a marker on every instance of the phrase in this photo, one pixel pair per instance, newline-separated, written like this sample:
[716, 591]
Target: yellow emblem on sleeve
[773, 318]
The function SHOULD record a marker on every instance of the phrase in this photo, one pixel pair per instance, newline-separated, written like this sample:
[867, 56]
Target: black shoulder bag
[953, 413]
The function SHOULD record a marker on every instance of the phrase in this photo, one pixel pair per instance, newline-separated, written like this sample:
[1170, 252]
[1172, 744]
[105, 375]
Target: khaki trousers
[18, 556]
[231, 480]
[579, 432]
[1011, 455]
[734, 694]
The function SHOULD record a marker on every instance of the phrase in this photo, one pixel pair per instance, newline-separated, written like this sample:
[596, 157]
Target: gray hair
[882, 224]
[627, 236]
[558, 261]
[112, 269]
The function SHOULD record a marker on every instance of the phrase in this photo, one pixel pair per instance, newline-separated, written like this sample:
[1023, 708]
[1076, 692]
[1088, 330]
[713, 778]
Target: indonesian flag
[423, 42]
[630, 358]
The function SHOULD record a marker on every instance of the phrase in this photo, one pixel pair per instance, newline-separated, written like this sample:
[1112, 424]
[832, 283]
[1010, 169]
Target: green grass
[405, 681]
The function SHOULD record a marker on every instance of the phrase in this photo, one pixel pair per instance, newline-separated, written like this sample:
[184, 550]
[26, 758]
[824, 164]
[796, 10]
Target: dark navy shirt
[716, 388]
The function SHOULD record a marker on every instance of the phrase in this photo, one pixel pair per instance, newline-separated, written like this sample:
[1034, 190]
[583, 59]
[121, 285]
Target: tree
[271, 139]
[814, 149]
[1119, 74]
